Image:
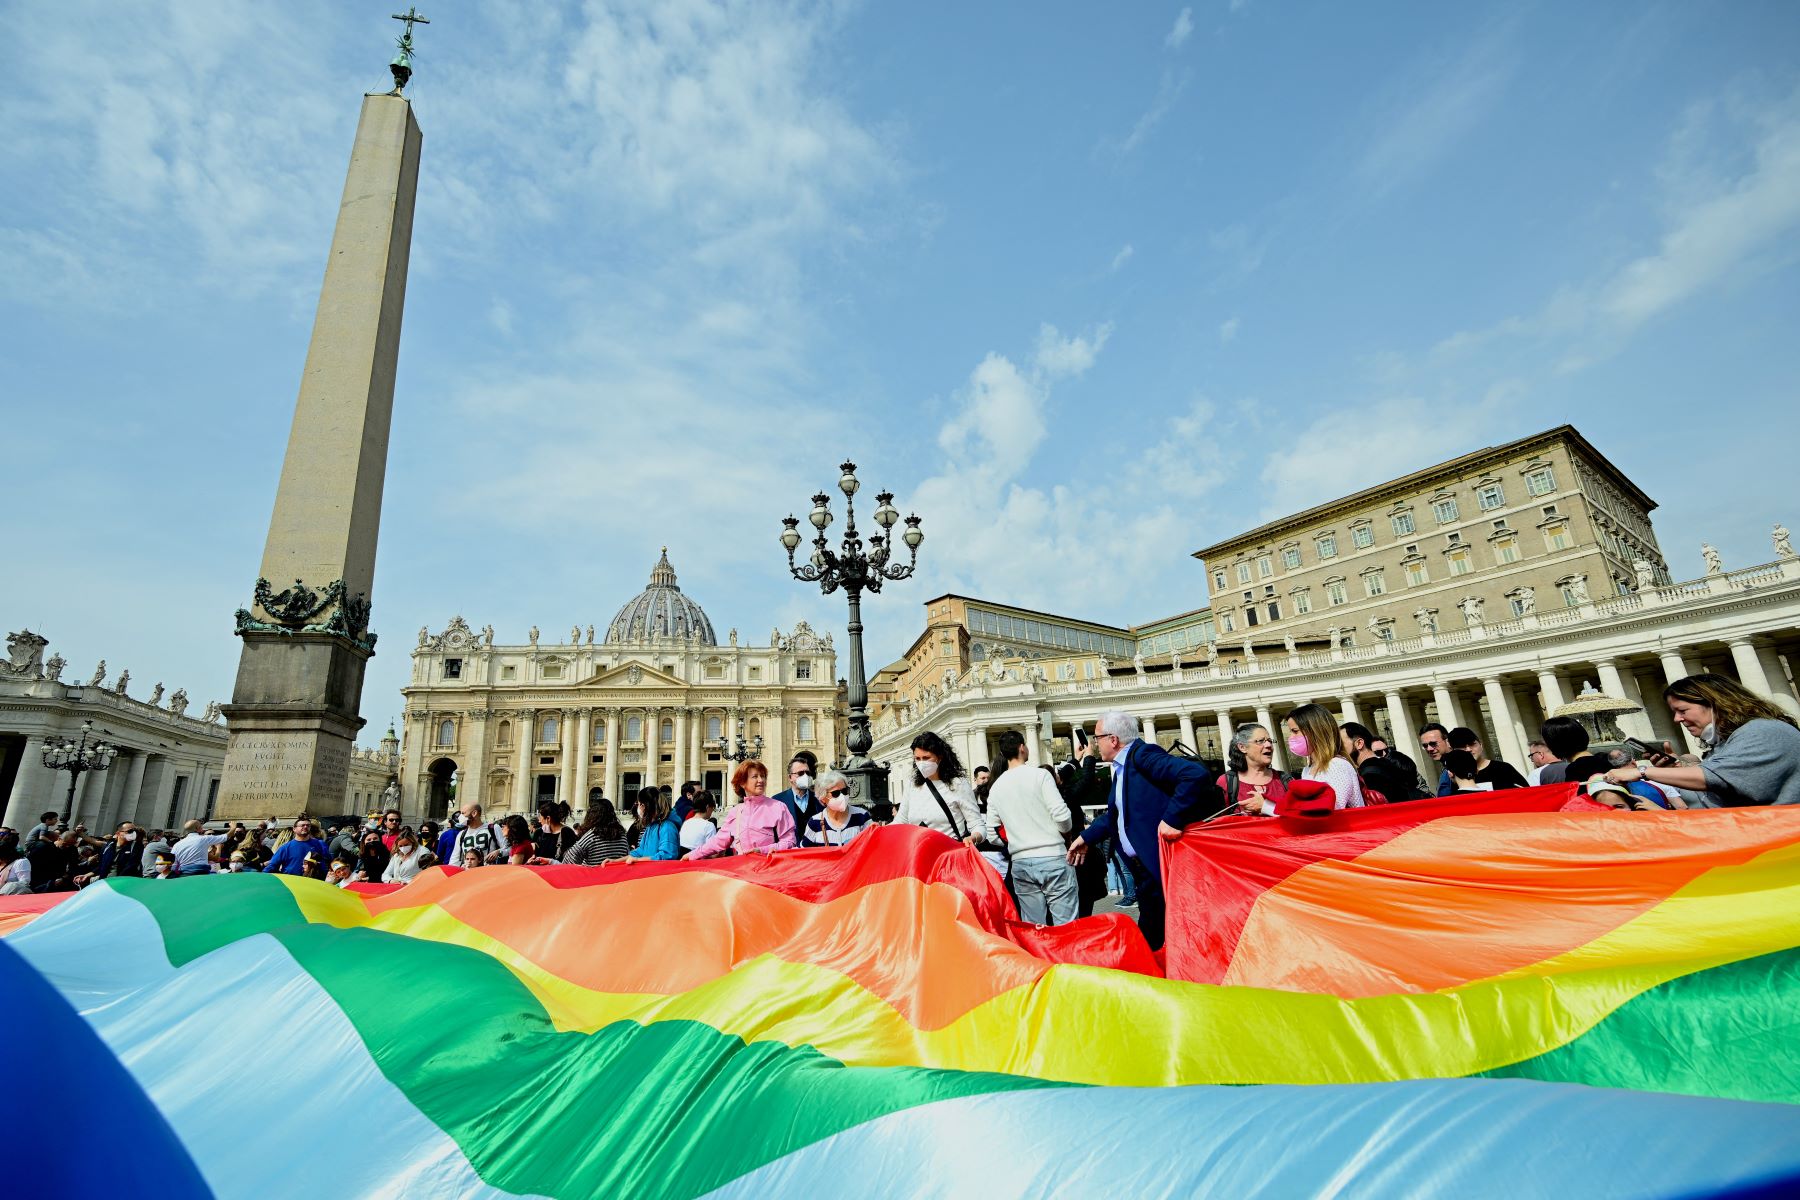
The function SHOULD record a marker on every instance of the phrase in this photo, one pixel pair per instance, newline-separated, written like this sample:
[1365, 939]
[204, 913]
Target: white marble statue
[1137, 663]
[1527, 601]
[178, 702]
[487, 635]
[99, 675]
[124, 682]
[1249, 651]
[211, 715]
[1578, 589]
[534, 635]
[590, 635]
[1784, 546]
[424, 635]
[734, 637]
[1427, 619]
[156, 694]
[1287, 639]
[24, 654]
[1645, 572]
[53, 669]
[574, 635]
[1714, 564]
[1471, 610]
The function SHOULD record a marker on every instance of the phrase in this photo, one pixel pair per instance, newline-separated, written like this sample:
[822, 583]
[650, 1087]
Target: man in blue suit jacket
[1154, 795]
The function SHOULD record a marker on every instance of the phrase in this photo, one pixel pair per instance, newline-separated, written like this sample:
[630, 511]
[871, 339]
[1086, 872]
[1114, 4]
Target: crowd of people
[1062, 836]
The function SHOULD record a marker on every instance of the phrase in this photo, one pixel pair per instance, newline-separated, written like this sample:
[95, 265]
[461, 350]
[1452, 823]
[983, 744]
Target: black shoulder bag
[949, 816]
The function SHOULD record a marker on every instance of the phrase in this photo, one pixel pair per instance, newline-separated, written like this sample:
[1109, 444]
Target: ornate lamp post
[751, 749]
[60, 754]
[856, 571]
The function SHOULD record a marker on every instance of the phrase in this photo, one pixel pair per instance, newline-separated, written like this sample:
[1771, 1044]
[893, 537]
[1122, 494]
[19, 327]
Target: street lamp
[751, 749]
[60, 754]
[855, 570]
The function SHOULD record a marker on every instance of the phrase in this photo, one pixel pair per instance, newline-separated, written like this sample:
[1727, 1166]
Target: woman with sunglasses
[838, 823]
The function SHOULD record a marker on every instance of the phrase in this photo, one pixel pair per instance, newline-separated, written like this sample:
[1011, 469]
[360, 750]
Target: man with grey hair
[1153, 796]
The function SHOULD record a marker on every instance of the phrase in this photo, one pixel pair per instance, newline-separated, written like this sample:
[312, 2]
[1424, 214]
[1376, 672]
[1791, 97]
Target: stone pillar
[680, 764]
[1350, 712]
[165, 788]
[584, 757]
[1505, 721]
[652, 747]
[1406, 738]
[32, 788]
[1187, 731]
[1780, 690]
[1046, 734]
[293, 714]
[975, 747]
[1675, 667]
[696, 752]
[1449, 715]
[472, 783]
[1613, 684]
[134, 785]
[1148, 721]
[1223, 719]
[568, 738]
[610, 774]
[1263, 718]
[1749, 666]
[1550, 688]
[523, 777]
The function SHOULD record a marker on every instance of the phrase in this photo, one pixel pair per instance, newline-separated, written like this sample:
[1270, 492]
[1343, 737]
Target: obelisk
[294, 711]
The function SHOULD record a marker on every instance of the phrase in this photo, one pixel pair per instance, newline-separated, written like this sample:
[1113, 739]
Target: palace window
[1517, 602]
[1265, 566]
[803, 670]
[1302, 601]
[1243, 572]
[1459, 561]
[547, 730]
[1290, 558]
[1274, 609]
[1570, 597]
[599, 738]
[1362, 536]
[1327, 546]
[1218, 585]
[1375, 582]
[666, 731]
[504, 737]
[1556, 537]
[1335, 593]
[1416, 574]
[634, 729]
[447, 733]
[1384, 630]
[1540, 481]
[509, 672]
[756, 674]
[1403, 524]
[804, 727]
[453, 668]
[1506, 550]
[715, 729]
[1225, 622]
[552, 670]
[1445, 510]
[1490, 495]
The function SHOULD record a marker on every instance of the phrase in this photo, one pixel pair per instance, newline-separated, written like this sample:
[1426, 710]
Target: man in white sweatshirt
[1026, 803]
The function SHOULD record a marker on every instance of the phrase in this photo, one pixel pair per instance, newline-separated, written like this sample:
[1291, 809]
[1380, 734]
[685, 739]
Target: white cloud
[1059, 357]
[1228, 331]
[1430, 110]
[1182, 30]
[1168, 90]
[1122, 257]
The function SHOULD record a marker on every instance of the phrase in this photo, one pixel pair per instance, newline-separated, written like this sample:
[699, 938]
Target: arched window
[806, 729]
[504, 738]
[667, 731]
[715, 729]
[447, 733]
[634, 729]
[599, 733]
[755, 727]
[547, 730]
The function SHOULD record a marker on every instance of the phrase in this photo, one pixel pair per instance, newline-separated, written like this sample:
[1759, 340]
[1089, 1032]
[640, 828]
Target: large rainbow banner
[1438, 999]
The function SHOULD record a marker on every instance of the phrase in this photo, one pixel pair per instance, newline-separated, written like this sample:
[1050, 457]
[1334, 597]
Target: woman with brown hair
[1753, 748]
[1312, 735]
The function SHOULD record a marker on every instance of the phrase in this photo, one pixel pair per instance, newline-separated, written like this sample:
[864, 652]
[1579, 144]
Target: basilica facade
[656, 700]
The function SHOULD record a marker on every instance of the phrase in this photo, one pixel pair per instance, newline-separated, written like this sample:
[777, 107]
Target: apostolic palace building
[1485, 591]
[657, 699]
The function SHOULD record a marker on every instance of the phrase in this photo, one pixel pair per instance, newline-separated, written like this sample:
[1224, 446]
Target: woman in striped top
[600, 838]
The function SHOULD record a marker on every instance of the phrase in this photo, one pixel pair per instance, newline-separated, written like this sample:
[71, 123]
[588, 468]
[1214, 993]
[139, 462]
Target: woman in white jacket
[405, 863]
[938, 795]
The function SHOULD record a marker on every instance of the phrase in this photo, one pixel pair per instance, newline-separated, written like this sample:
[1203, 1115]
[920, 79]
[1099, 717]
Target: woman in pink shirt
[757, 825]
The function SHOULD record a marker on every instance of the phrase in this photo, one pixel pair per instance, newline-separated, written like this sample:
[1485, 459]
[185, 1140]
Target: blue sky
[1088, 286]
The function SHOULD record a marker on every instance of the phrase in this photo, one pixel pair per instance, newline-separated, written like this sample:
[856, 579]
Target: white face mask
[237, 866]
[1710, 735]
[838, 805]
[803, 783]
[926, 767]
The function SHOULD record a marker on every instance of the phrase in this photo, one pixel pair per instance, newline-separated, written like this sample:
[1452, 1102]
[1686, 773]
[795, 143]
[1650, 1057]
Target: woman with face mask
[1313, 738]
[938, 794]
[404, 865]
[839, 821]
[1752, 747]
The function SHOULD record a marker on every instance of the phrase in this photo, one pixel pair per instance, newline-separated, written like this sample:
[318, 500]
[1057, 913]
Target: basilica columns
[1223, 718]
[610, 774]
[1187, 731]
[528, 736]
[1280, 761]
[1504, 716]
[1405, 737]
[1550, 687]
[652, 750]
[584, 754]
[1613, 683]
[32, 788]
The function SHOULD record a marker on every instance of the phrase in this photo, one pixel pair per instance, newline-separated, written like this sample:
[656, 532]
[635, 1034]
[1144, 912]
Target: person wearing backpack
[1251, 786]
[1383, 780]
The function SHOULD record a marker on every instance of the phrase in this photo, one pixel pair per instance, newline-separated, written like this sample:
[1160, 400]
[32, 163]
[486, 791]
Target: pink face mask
[839, 805]
[1298, 744]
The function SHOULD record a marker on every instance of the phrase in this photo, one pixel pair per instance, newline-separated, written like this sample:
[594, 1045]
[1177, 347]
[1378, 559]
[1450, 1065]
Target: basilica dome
[660, 610]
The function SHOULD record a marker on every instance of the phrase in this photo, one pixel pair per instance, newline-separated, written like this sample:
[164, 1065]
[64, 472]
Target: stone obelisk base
[293, 724]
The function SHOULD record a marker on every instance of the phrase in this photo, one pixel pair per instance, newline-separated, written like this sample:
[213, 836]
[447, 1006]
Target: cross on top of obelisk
[402, 64]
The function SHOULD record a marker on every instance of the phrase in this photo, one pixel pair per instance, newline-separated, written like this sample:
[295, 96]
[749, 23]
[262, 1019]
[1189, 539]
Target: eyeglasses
[836, 792]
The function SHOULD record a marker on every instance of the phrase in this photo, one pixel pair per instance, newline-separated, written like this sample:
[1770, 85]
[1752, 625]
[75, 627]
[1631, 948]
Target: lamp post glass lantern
[856, 570]
[743, 749]
[60, 754]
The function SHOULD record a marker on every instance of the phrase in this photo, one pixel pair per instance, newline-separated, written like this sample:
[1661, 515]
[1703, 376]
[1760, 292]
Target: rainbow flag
[1436, 999]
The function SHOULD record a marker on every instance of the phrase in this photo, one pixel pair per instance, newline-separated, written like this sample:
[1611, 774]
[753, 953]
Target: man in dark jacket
[1154, 795]
[1383, 774]
[124, 854]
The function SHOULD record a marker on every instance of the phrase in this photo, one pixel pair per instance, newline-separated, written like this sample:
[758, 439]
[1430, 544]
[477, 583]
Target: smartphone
[1644, 749]
[1080, 738]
